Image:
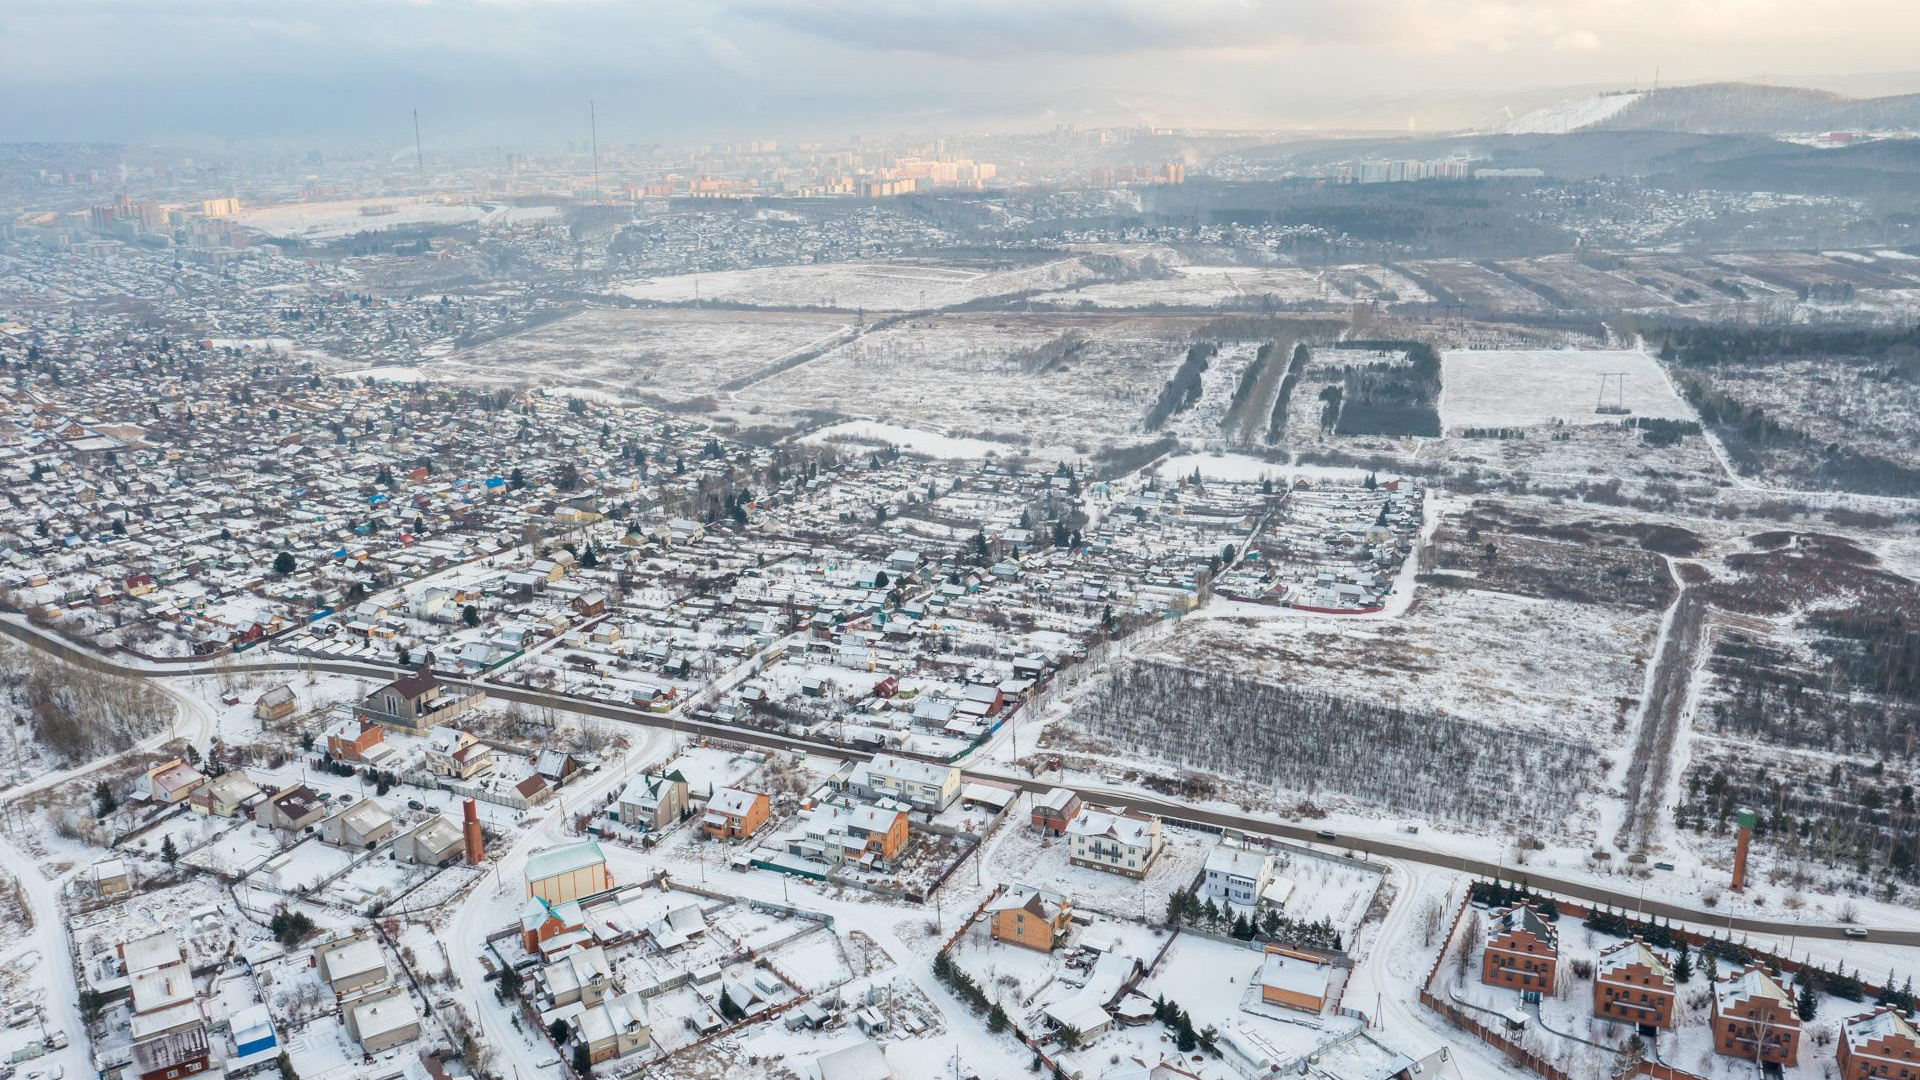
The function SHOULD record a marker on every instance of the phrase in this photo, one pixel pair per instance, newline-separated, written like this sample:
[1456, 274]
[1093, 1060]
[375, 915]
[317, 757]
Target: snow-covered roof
[1750, 983]
[564, 860]
[1296, 974]
[1121, 826]
[1238, 862]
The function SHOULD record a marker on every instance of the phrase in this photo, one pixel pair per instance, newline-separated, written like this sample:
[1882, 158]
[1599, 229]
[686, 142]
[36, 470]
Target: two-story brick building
[1879, 1045]
[1753, 1018]
[1633, 985]
[1034, 918]
[1522, 952]
[735, 813]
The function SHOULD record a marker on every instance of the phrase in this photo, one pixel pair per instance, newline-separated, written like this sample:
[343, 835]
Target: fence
[1461, 1019]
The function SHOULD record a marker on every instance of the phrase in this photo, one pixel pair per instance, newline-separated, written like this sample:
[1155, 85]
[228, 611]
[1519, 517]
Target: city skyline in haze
[486, 72]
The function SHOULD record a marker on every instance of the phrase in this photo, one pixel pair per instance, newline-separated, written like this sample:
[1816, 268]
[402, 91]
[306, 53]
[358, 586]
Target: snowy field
[856, 286]
[915, 441]
[345, 217]
[962, 374]
[1530, 387]
[665, 353]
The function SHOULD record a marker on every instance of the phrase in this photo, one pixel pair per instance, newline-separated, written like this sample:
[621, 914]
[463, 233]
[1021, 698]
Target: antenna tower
[419, 159]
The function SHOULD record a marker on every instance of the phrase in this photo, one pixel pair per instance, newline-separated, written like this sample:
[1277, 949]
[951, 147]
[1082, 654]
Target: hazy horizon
[504, 71]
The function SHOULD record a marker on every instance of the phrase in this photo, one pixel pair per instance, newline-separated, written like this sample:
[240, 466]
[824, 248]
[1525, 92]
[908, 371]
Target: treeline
[1048, 357]
[1493, 433]
[1705, 346]
[1658, 431]
[1500, 894]
[1878, 650]
[1296, 367]
[1539, 288]
[1250, 378]
[1184, 907]
[1387, 397]
[1404, 759]
[1183, 390]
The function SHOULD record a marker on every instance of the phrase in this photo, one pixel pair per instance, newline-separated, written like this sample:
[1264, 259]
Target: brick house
[1031, 918]
[351, 737]
[1753, 1018]
[735, 814]
[1879, 1045]
[1523, 951]
[1053, 811]
[1633, 985]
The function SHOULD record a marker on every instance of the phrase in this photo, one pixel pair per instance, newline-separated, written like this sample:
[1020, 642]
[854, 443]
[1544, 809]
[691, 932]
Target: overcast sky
[339, 72]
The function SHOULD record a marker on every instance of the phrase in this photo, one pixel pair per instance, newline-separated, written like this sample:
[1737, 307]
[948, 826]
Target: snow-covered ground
[1491, 388]
[1568, 115]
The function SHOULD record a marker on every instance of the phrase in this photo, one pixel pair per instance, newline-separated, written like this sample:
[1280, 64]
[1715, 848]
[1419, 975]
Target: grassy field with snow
[1487, 388]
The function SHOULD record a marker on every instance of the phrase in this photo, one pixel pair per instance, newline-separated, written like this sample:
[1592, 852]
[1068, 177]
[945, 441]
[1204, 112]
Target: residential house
[581, 975]
[291, 809]
[171, 781]
[1294, 980]
[835, 833]
[457, 753]
[352, 738]
[1236, 874]
[110, 878]
[925, 784]
[735, 814]
[1033, 918]
[1114, 839]
[224, 795]
[173, 1055]
[362, 824]
[350, 964]
[416, 703]
[1054, 810]
[278, 703]
[615, 1028]
[436, 841]
[1522, 951]
[568, 872]
[541, 922]
[1878, 1045]
[1753, 1018]
[1633, 985]
[382, 1020]
[653, 801]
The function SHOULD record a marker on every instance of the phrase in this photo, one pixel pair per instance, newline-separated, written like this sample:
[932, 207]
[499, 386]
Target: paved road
[1178, 812]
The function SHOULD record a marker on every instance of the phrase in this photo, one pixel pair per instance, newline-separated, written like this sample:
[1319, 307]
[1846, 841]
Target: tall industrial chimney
[476, 845]
[1746, 819]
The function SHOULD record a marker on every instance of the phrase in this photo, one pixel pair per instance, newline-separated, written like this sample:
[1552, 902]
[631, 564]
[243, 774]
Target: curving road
[1178, 812]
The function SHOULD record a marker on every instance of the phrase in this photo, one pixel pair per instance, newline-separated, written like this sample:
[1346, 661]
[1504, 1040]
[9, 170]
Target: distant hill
[1754, 109]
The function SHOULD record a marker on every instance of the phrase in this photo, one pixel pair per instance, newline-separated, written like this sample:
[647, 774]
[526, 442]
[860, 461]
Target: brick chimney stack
[476, 845]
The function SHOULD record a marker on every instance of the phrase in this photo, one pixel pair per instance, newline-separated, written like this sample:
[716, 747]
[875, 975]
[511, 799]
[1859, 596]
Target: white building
[1236, 874]
[1114, 839]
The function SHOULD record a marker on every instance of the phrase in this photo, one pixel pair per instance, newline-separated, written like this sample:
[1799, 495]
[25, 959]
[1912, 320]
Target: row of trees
[1184, 906]
[1183, 390]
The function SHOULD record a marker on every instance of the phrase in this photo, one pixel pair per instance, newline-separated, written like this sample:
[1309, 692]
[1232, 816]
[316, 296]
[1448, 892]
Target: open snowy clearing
[1568, 115]
[851, 286]
[667, 353]
[965, 374]
[1529, 387]
[345, 217]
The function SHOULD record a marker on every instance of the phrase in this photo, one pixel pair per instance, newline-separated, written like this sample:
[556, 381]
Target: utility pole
[593, 127]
